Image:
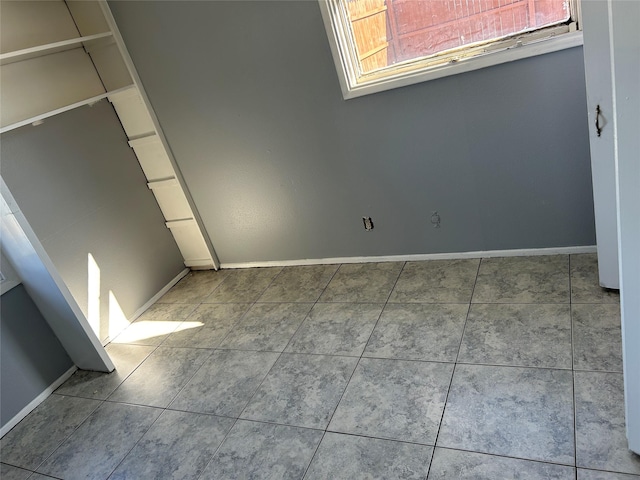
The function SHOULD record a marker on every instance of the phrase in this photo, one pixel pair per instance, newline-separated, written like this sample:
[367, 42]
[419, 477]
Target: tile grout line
[456, 363]
[242, 317]
[263, 379]
[149, 406]
[524, 459]
[573, 379]
[196, 307]
[453, 372]
[326, 429]
[35, 470]
[384, 305]
[285, 347]
[101, 402]
[324, 432]
[280, 356]
[235, 324]
[365, 345]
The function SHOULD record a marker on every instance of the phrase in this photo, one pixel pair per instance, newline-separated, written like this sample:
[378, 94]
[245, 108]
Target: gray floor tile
[8, 472]
[585, 284]
[39, 476]
[394, 399]
[336, 329]
[543, 279]
[178, 446]
[454, 464]
[225, 382]
[195, 287]
[518, 412]
[243, 285]
[267, 326]
[522, 335]
[96, 448]
[159, 379]
[597, 475]
[497, 421]
[597, 337]
[301, 390]
[600, 425]
[299, 284]
[436, 281]
[198, 337]
[348, 456]
[418, 332]
[362, 282]
[30, 442]
[217, 321]
[255, 451]
[154, 325]
[88, 384]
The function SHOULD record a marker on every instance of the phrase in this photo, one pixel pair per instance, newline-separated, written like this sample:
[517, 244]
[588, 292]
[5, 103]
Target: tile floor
[505, 368]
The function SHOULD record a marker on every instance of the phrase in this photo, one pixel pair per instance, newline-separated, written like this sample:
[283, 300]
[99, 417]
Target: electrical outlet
[368, 223]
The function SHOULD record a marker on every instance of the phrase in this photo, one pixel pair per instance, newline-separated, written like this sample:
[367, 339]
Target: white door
[624, 19]
[612, 66]
[597, 61]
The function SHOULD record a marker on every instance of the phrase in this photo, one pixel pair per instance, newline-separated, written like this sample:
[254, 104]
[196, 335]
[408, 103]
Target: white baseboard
[150, 302]
[157, 296]
[36, 401]
[418, 257]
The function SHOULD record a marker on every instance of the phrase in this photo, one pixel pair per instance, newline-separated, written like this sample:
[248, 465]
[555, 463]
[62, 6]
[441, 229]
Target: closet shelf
[40, 50]
[66, 108]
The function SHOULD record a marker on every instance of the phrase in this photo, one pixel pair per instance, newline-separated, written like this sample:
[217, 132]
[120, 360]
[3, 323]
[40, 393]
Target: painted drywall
[282, 168]
[32, 357]
[81, 188]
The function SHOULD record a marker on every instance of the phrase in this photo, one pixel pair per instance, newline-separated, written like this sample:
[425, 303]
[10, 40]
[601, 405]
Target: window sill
[560, 42]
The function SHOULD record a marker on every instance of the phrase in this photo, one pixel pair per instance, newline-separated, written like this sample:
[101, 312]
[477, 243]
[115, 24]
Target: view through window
[388, 32]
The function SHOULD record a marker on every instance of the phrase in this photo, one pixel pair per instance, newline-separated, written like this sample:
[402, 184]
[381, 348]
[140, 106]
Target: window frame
[450, 62]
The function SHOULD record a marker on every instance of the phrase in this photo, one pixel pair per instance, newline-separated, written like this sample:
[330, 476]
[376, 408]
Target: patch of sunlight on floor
[144, 330]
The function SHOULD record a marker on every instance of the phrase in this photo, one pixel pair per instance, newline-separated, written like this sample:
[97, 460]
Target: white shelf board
[66, 108]
[49, 48]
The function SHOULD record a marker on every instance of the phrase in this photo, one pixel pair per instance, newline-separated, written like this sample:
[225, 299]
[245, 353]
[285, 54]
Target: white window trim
[459, 61]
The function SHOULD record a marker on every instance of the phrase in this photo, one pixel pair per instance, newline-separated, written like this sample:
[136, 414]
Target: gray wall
[82, 190]
[31, 355]
[281, 167]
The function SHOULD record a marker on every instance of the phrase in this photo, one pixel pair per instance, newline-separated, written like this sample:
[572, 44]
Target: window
[383, 44]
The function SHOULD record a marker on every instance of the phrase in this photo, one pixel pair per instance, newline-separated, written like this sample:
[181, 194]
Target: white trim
[8, 277]
[45, 286]
[158, 295]
[111, 21]
[198, 263]
[147, 140]
[348, 78]
[49, 48]
[7, 285]
[170, 182]
[185, 222]
[89, 101]
[150, 302]
[36, 401]
[524, 252]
